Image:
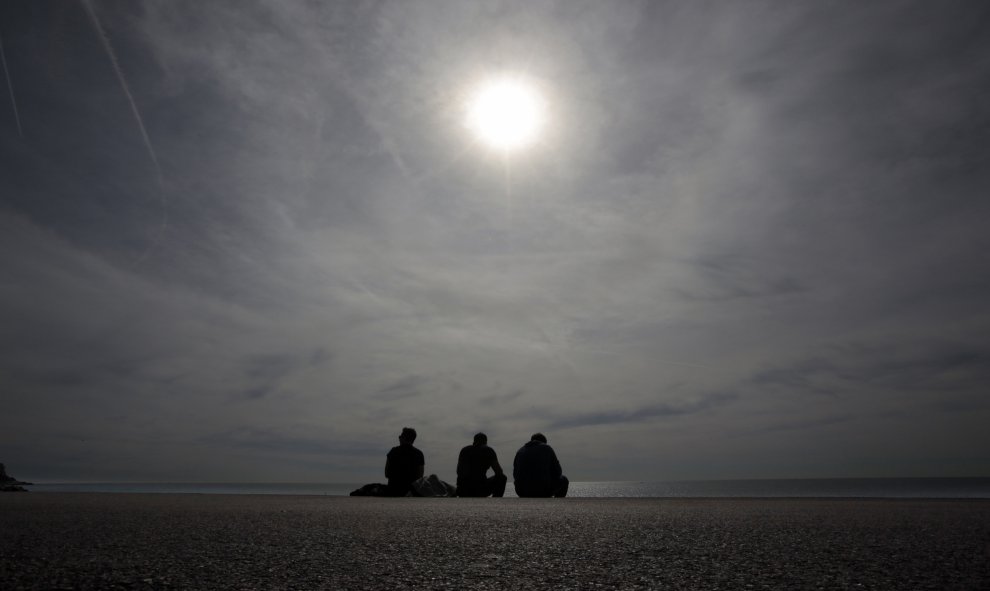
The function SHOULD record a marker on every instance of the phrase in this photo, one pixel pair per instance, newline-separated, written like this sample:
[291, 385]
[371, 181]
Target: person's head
[480, 439]
[539, 437]
[408, 435]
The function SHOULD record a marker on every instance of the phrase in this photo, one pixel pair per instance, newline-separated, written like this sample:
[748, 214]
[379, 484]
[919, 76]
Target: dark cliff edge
[9, 483]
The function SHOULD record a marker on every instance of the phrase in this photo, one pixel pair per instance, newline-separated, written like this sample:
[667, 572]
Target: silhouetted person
[472, 470]
[536, 470]
[404, 464]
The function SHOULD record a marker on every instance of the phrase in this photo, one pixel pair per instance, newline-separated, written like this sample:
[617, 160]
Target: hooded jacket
[536, 467]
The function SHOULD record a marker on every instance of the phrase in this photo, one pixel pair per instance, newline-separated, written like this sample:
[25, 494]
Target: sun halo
[506, 112]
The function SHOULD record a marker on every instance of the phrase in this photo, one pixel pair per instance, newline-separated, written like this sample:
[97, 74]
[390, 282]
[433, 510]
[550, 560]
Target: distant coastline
[10, 484]
[910, 488]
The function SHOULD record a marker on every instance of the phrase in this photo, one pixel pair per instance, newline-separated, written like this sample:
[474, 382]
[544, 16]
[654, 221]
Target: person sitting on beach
[472, 470]
[536, 470]
[404, 464]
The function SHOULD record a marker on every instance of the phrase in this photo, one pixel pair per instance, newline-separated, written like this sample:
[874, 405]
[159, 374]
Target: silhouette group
[536, 471]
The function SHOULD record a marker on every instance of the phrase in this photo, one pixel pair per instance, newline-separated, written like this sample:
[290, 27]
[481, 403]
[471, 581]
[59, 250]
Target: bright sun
[506, 112]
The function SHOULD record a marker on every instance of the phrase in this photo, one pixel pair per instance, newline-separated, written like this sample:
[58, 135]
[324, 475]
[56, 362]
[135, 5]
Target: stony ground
[130, 541]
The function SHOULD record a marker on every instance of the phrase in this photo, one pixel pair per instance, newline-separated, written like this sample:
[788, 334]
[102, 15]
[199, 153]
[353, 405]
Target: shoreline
[215, 541]
[908, 488]
[508, 498]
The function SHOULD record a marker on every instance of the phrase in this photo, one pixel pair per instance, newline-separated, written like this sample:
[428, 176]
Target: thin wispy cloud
[749, 242]
[10, 89]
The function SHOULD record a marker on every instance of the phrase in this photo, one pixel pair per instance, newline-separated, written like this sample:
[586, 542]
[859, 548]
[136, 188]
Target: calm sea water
[937, 488]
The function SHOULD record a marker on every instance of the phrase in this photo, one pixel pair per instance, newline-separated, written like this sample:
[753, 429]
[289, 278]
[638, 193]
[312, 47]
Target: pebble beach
[180, 541]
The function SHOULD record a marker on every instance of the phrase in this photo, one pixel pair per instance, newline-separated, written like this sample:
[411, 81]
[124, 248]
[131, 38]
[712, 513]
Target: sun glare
[506, 113]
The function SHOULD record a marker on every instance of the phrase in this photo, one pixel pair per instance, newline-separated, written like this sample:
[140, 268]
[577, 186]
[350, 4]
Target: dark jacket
[536, 467]
[473, 464]
[403, 465]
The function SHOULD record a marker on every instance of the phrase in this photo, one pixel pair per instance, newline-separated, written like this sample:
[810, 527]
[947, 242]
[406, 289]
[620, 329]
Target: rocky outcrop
[374, 489]
[9, 483]
[432, 486]
[429, 486]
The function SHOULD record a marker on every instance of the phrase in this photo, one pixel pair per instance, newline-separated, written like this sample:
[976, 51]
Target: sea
[894, 488]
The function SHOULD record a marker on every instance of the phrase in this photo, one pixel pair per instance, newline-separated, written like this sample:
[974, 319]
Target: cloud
[643, 414]
[404, 388]
[745, 225]
[808, 425]
[923, 365]
[272, 443]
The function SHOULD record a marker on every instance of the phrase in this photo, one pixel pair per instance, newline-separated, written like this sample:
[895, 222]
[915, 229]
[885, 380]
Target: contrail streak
[137, 117]
[123, 83]
[10, 87]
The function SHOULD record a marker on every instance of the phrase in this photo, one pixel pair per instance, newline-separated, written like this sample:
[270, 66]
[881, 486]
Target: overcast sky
[251, 241]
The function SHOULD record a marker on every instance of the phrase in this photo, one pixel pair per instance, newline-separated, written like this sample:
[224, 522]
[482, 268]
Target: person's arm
[419, 469]
[388, 465]
[555, 469]
[495, 465]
